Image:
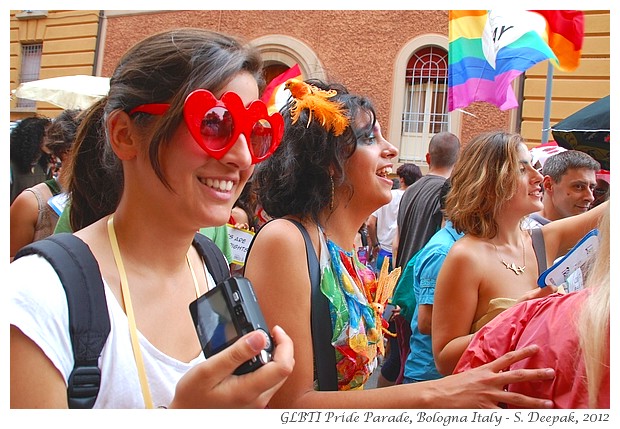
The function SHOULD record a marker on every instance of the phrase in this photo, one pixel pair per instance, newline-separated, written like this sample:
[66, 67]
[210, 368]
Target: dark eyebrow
[582, 182]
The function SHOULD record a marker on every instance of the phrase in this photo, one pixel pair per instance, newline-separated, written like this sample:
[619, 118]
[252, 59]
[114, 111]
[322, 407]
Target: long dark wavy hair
[26, 143]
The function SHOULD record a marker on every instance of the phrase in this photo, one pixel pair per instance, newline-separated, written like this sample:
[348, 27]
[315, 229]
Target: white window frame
[415, 150]
[420, 120]
[31, 55]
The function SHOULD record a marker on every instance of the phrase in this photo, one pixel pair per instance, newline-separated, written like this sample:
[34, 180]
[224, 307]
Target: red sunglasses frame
[200, 101]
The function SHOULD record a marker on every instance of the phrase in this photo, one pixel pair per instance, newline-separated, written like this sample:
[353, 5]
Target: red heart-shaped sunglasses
[217, 124]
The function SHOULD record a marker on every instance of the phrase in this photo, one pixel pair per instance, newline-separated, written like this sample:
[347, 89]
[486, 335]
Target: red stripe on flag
[279, 80]
[567, 23]
[565, 31]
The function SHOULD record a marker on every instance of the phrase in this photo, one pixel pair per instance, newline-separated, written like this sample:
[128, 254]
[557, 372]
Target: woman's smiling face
[201, 183]
[528, 198]
[369, 166]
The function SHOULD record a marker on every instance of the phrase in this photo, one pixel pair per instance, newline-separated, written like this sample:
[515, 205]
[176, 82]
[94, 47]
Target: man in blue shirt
[420, 365]
[421, 272]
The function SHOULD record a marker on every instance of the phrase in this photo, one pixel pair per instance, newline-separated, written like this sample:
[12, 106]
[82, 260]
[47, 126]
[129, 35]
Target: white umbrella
[68, 92]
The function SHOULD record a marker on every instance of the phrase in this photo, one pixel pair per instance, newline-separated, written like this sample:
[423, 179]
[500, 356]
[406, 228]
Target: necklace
[512, 266]
[133, 331]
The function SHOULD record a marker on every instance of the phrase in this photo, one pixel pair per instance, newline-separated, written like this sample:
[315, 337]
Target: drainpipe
[98, 42]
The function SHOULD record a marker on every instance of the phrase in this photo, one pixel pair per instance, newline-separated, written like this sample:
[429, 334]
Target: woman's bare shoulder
[278, 242]
[469, 247]
[282, 231]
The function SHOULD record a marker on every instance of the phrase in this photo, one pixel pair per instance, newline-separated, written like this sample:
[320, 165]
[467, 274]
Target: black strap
[213, 257]
[324, 353]
[538, 242]
[89, 323]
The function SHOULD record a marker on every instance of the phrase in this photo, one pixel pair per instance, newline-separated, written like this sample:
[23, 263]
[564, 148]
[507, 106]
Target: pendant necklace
[512, 266]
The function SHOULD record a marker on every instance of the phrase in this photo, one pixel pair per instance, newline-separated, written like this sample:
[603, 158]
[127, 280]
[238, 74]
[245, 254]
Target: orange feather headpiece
[331, 114]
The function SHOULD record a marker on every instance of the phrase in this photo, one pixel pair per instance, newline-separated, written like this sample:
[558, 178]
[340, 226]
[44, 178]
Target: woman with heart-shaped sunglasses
[167, 152]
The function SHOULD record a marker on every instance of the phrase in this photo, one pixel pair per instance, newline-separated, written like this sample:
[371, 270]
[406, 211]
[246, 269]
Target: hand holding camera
[226, 313]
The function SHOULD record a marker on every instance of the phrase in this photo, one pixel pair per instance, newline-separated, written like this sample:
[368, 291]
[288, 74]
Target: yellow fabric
[496, 306]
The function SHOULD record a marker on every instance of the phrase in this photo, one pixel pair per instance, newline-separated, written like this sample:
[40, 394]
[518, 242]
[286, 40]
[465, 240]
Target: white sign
[240, 240]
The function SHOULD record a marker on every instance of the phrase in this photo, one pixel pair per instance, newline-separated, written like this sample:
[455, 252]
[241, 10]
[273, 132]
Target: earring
[331, 200]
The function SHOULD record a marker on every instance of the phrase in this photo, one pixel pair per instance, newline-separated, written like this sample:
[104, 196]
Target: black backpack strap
[538, 242]
[213, 257]
[89, 322]
[324, 353]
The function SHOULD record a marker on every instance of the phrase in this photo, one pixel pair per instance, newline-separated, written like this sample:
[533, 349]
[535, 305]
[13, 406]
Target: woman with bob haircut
[494, 265]
[574, 327]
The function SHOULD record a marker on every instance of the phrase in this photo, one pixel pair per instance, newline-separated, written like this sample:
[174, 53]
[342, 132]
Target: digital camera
[226, 313]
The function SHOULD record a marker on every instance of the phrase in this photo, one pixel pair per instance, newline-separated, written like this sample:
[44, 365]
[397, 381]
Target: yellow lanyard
[133, 332]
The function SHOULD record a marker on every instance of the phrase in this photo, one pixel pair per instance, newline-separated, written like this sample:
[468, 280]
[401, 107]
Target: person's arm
[283, 291]
[454, 309]
[372, 231]
[277, 267]
[373, 239]
[562, 234]
[425, 317]
[24, 214]
[35, 381]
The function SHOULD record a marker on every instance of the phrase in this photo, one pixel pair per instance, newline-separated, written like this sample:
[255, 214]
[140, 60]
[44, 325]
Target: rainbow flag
[565, 30]
[275, 95]
[488, 50]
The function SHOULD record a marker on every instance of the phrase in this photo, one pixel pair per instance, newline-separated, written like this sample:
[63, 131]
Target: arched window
[279, 52]
[425, 110]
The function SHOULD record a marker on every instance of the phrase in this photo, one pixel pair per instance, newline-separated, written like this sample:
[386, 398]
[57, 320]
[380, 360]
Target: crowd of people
[143, 176]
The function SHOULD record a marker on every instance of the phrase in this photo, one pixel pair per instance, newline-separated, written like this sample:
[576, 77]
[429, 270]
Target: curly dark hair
[26, 143]
[297, 178]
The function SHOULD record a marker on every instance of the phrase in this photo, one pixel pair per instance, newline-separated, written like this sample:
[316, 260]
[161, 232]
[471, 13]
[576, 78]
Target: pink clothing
[549, 323]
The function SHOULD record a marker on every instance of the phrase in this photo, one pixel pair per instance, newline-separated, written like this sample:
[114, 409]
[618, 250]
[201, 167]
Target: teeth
[220, 185]
[384, 172]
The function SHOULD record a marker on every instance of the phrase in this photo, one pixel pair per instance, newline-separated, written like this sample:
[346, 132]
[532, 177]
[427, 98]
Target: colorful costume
[356, 304]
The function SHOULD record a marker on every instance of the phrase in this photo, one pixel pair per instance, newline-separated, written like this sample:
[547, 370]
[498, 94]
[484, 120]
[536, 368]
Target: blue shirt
[420, 364]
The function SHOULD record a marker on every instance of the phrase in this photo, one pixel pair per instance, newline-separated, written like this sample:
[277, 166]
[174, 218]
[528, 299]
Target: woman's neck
[510, 234]
[341, 226]
[142, 238]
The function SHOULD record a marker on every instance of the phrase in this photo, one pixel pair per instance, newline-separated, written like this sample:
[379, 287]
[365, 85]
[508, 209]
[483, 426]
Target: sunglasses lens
[262, 137]
[217, 128]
